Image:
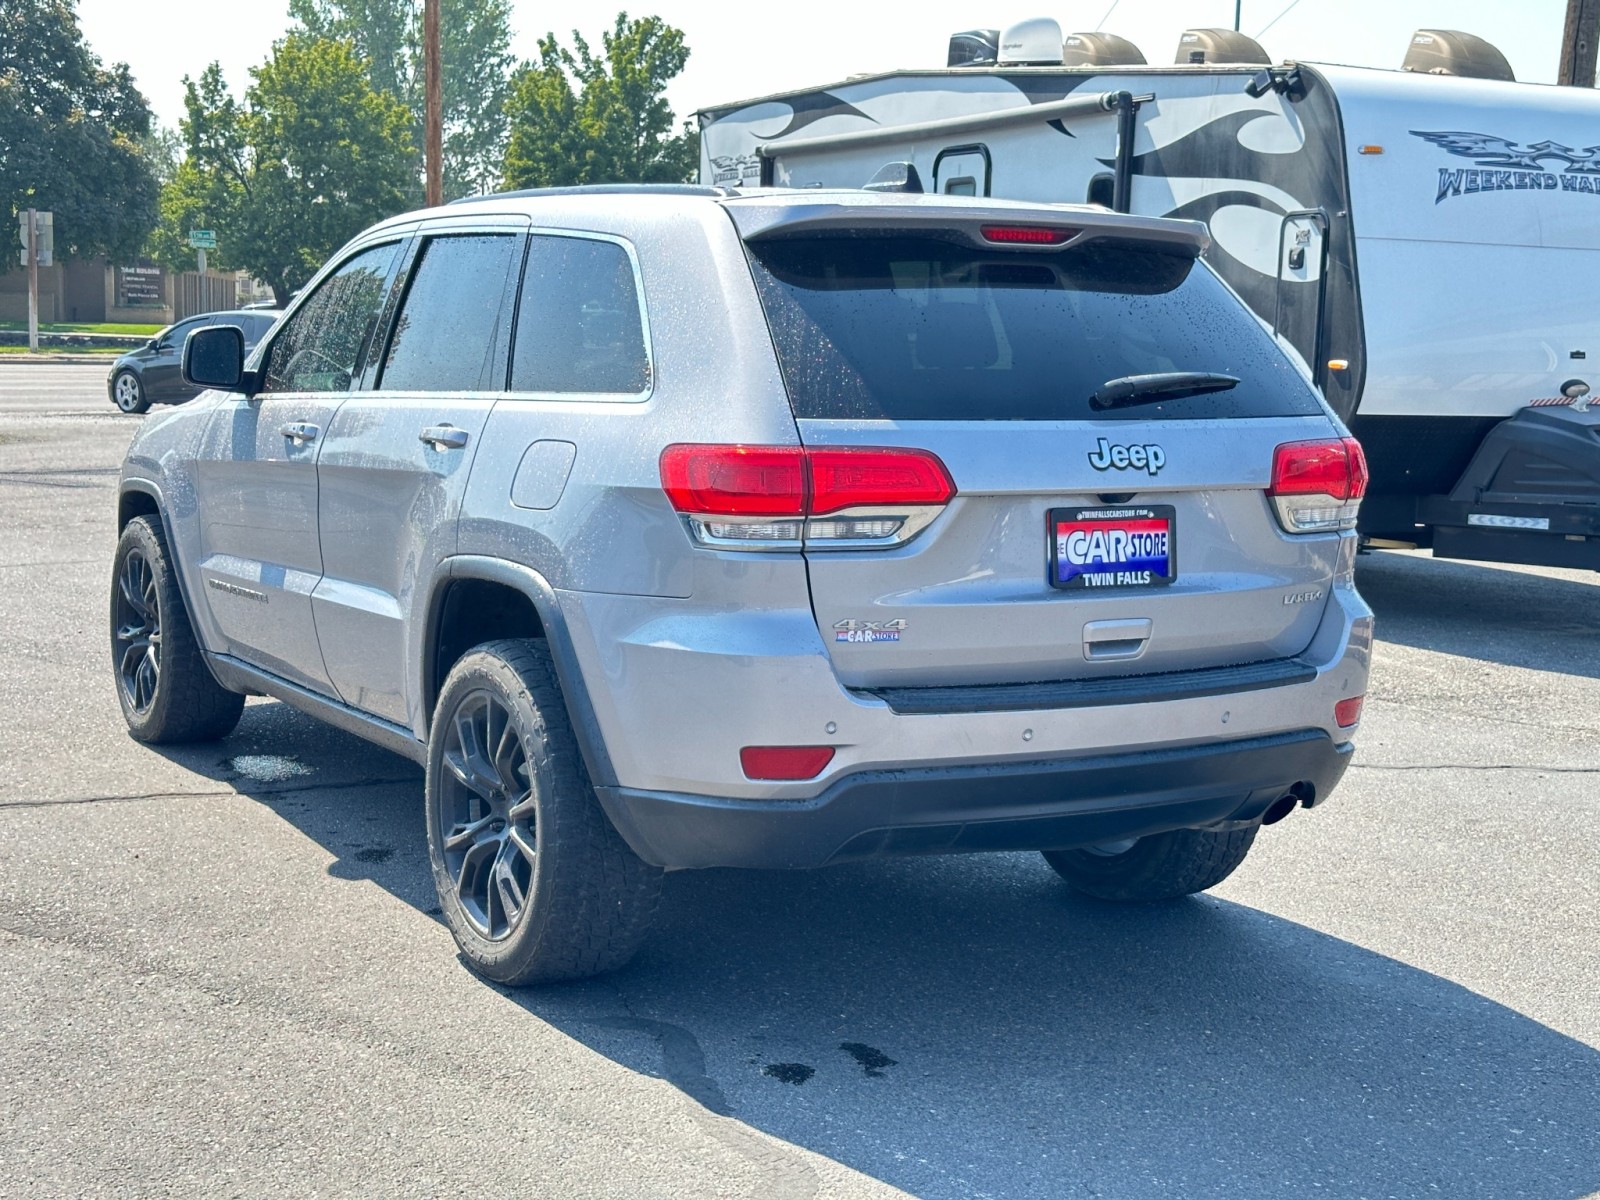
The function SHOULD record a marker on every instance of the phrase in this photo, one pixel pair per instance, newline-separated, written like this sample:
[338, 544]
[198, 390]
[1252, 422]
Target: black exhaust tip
[1280, 808]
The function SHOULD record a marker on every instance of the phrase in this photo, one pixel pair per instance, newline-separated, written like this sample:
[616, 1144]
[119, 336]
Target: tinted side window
[579, 327]
[323, 345]
[455, 323]
[173, 338]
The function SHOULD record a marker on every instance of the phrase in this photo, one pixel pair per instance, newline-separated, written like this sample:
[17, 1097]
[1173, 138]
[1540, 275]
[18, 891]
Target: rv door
[962, 171]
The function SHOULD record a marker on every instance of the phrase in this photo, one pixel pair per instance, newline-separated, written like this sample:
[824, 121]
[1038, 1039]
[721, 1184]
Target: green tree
[578, 117]
[162, 148]
[313, 155]
[70, 133]
[477, 67]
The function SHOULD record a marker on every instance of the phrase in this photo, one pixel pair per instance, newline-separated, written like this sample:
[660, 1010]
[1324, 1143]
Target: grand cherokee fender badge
[868, 631]
[1302, 597]
[233, 589]
[1106, 457]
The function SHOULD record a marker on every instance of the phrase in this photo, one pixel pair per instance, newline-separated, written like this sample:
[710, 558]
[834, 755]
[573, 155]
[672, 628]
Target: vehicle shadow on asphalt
[1496, 614]
[974, 1029]
[965, 1027]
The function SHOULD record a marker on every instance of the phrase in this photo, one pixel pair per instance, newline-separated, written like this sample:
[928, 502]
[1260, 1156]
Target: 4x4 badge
[1149, 457]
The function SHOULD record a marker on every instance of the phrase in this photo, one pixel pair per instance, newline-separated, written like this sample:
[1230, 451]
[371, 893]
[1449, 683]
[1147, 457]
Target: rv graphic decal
[1489, 151]
[1516, 166]
[735, 170]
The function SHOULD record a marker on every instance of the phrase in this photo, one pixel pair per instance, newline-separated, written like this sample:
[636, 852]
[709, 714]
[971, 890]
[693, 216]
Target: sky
[740, 52]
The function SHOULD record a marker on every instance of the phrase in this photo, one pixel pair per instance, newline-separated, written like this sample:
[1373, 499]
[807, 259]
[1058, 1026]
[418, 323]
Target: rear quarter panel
[714, 378]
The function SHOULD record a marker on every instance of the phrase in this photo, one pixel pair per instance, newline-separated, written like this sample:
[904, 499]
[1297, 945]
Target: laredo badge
[868, 631]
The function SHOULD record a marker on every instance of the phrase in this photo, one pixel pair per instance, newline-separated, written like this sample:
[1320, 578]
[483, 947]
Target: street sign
[202, 239]
[45, 234]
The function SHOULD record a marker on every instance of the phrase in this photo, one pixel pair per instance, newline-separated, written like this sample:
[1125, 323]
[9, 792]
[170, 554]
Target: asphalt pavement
[222, 970]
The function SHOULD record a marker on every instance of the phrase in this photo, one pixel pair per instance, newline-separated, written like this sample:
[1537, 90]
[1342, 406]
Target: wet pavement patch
[872, 1061]
[795, 1073]
[374, 854]
[267, 768]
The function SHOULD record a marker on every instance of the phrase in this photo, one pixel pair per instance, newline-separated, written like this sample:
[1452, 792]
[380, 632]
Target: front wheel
[168, 693]
[1162, 866]
[128, 393]
[533, 881]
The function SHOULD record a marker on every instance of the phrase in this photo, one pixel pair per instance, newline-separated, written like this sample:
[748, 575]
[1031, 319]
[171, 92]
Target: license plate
[1113, 547]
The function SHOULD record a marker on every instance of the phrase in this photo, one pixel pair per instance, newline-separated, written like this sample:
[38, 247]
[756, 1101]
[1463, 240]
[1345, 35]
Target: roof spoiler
[763, 222]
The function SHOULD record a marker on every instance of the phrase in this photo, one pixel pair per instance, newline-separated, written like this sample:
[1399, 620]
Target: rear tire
[127, 393]
[167, 692]
[534, 882]
[1162, 866]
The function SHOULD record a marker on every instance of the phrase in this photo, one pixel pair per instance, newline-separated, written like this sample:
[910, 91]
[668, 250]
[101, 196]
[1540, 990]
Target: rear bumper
[1044, 805]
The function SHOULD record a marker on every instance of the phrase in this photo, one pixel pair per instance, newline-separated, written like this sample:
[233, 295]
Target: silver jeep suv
[679, 527]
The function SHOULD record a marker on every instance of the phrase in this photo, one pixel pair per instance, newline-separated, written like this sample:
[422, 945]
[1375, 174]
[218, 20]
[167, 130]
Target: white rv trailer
[1429, 244]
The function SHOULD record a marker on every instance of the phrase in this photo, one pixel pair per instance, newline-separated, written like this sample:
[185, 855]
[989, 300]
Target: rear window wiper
[1164, 385]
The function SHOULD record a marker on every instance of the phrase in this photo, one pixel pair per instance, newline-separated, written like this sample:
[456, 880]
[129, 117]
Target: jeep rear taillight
[783, 497]
[1317, 486]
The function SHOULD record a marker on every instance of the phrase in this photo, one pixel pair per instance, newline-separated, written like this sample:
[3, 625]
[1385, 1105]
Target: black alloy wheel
[487, 824]
[534, 882]
[166, 690]
[136, 632]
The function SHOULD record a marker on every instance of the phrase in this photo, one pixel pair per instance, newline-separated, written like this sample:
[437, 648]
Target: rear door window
[325, 343]
[906, 328]
[580, 325]
[454, 326]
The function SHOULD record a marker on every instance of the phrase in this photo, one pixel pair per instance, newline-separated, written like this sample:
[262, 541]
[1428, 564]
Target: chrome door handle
[443, 437]
[299, 432]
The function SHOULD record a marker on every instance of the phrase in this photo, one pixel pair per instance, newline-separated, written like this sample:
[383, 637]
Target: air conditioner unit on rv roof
[1100, 50]
[1219, 46]
[1032, 43]
[1451, 52]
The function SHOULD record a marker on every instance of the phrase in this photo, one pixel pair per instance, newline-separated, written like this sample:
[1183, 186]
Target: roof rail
[610, 189]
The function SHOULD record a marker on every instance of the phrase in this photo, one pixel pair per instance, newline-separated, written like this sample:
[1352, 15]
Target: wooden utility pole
[1579, 42]
[433, 150]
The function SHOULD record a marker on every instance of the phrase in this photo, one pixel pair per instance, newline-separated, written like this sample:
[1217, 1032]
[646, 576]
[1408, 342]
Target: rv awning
[1071, 106]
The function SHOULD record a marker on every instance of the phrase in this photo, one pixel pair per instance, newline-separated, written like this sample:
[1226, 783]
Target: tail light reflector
[1347, 712]
[784, 762]
[1317, 486]
[844, 478]
[783, 497]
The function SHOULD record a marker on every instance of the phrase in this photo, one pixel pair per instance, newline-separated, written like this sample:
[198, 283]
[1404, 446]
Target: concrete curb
[69, 341]
[68, 358]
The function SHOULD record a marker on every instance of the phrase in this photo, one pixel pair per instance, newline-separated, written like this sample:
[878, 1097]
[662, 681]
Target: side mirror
[213, 357]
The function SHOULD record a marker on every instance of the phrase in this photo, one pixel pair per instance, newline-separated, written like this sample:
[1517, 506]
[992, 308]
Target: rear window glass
[925, 329]
[579, 327]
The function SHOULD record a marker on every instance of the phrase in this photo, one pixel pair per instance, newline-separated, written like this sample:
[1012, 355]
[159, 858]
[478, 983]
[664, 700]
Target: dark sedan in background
[153, 373]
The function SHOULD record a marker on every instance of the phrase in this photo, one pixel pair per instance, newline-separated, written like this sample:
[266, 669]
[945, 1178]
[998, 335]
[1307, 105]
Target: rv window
[923, 329]
[965, 186]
